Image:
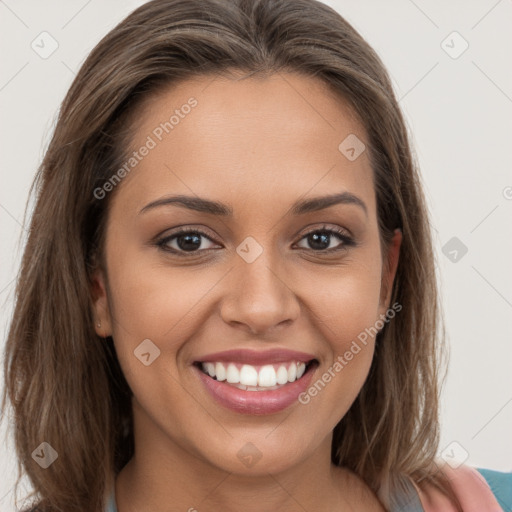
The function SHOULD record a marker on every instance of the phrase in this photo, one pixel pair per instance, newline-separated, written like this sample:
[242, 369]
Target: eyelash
[340, 233]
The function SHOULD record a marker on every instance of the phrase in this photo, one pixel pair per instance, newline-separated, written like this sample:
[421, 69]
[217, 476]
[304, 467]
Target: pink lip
[257, 357]
[256, 402]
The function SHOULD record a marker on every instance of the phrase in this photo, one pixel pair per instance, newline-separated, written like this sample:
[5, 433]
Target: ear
[102, 317]
[389, 270]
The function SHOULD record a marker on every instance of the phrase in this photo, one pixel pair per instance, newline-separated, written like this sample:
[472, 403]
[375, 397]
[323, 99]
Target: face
[223, 331]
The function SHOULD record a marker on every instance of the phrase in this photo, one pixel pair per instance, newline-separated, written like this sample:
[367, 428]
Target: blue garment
[111, 504]
[500, 484]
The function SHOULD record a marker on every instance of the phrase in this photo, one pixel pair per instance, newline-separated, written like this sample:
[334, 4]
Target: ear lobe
[389, 269]
[102, 321]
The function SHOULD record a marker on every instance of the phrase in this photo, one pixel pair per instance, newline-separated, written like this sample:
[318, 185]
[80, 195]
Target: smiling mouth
[249, 377]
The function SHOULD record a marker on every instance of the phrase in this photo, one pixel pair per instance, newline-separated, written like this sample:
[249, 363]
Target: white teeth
[292, 373]
[232, 374]
[252, 378]
[210, 368]
[282, 375]
[220, 372]
[248, 375]
[267, 376]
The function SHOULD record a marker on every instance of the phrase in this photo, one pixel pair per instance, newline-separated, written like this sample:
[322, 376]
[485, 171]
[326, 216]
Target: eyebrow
[300, 207]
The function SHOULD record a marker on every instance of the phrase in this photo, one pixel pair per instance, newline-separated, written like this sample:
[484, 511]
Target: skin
[258, 145]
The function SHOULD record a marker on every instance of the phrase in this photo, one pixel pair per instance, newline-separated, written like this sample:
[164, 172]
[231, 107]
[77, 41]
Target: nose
[259, 297]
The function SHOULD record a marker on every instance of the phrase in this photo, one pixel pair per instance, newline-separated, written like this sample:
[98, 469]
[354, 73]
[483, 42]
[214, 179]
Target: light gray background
[459, 112]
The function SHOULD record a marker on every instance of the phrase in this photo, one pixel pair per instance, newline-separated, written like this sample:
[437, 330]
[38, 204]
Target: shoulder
[477, 490]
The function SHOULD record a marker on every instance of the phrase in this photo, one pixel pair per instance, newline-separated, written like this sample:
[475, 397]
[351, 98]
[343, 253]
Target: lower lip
[256, 402]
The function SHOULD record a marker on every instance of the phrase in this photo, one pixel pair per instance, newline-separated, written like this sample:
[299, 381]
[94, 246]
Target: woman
[227, 300]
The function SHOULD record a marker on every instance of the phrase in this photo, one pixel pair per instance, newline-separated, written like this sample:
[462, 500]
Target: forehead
[268, 139]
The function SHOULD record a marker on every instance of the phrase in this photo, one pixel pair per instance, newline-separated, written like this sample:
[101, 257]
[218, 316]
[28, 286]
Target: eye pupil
[194, 240]
[321, 239]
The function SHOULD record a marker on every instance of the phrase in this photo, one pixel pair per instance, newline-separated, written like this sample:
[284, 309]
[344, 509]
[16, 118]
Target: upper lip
[257, 357]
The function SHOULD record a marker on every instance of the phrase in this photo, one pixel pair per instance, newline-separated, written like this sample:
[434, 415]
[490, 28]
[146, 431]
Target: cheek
[347, 302]
[153, 315]
[346, 311]
[156, 305]
[151, 302]
[151, 298]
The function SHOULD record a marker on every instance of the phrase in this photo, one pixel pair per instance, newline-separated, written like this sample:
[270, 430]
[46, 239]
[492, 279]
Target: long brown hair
[65, 383]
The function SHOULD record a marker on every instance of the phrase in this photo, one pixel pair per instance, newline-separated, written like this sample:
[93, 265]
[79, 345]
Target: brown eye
[320, 240]
[186, 241]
